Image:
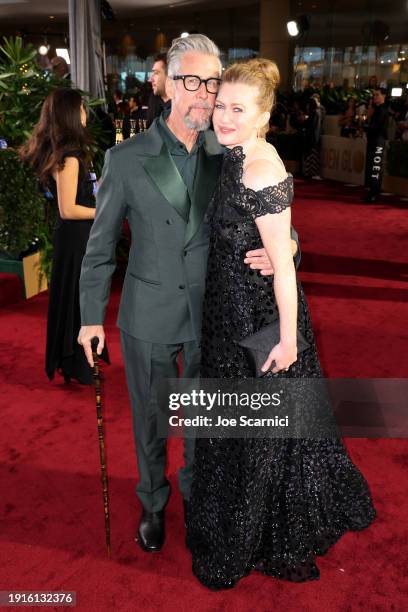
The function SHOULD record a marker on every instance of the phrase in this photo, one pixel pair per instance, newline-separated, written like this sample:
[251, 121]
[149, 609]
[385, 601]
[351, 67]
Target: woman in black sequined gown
[260, 504]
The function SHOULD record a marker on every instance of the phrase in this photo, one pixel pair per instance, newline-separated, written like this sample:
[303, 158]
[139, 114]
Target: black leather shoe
[151, 533]
[186, 506]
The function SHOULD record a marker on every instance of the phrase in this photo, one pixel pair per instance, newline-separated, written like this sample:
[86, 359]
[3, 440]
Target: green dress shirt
[186, 162]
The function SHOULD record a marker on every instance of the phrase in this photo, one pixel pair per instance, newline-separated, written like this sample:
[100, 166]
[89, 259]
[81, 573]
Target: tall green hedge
[25, 214]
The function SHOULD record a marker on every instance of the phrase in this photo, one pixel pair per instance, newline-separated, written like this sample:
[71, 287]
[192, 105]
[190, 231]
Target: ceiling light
[396, 92]
[63, 53]
[298, 26]
[293, 29]
[43, 49]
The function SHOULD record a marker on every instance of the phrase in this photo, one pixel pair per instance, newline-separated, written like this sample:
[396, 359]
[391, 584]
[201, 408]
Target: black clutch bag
[259, 345]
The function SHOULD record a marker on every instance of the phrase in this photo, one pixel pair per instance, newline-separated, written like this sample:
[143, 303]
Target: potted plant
[23, 225]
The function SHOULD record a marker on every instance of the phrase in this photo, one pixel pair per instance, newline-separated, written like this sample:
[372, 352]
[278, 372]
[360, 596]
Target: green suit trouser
[146, 363]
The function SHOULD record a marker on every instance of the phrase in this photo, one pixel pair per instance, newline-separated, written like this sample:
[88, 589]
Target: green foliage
[23, 89]
[397, 158]
[22, 207]
[25, 215]
[333, 99]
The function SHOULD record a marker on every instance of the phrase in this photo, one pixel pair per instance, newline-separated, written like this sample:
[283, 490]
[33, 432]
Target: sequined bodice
[235, 207]
[238, 300]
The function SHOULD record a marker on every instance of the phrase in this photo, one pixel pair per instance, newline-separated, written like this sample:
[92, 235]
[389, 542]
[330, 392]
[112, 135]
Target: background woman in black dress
[269, 504]
[59, 154]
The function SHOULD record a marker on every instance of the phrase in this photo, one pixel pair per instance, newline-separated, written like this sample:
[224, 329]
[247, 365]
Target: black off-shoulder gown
[261, 504]
[63, 353]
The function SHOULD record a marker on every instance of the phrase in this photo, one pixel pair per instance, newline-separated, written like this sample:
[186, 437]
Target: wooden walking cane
[105, 492]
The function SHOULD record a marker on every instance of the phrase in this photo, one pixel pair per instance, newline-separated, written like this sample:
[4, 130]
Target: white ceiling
[40, 10]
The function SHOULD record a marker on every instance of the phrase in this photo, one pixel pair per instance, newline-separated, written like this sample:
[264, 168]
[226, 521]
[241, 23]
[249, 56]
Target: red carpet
[51, 535]
[11, 289]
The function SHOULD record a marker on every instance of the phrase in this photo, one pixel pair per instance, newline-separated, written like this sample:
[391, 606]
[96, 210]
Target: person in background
[321, 111]
[311, 143]
[297, 116]
[60, 68]
[134, 106]
[279, 117]
[59, 153]
[116, 100]
[370, 107]
[122, 113]
[376, 131]
[402, 123]
[122, 109]
[106, 124]
[373, 82]
[136, 113]
[347, 120]
[117, 96]
[159, 100]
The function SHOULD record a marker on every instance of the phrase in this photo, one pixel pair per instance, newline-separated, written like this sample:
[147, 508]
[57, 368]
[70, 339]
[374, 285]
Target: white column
[275, 43]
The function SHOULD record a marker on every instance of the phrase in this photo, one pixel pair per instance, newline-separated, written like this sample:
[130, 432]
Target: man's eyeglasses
[192, 82]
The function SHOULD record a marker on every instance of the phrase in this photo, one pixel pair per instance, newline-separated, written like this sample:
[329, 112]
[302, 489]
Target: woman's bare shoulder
[69, 170]
[265, 168]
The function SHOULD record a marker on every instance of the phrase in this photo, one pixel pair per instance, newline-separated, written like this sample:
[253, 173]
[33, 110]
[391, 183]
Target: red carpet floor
[51, 534]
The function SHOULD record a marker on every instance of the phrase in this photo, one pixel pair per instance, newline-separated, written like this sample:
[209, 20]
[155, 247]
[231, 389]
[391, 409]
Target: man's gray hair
[194, 42]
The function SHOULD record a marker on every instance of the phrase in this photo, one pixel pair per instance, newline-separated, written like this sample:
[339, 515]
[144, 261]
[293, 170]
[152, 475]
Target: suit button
[182, 286]
[169, 221]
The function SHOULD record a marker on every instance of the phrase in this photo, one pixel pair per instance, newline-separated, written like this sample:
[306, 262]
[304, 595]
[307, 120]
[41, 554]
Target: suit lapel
[164, 173]
[208, 170]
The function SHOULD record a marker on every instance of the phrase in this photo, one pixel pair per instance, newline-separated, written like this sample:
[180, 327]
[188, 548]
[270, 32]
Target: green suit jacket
[163, 290]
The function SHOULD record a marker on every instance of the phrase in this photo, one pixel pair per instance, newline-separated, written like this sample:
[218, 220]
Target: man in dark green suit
[162, 182]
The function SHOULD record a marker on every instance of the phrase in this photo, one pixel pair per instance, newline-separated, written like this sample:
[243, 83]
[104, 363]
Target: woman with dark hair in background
[347, 120]
[59, 153]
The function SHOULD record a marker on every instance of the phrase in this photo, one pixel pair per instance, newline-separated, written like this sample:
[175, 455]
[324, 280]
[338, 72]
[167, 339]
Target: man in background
[376, 131]
[159, 100]
[137, 113]
[60, 68]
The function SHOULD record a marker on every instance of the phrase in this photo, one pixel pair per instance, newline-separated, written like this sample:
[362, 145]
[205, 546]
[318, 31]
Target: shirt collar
[173, 144]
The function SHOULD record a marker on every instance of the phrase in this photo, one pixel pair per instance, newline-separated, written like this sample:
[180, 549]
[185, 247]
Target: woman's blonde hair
[260, 73]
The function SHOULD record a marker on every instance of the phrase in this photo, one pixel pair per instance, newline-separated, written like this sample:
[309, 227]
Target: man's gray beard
[195, 124]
